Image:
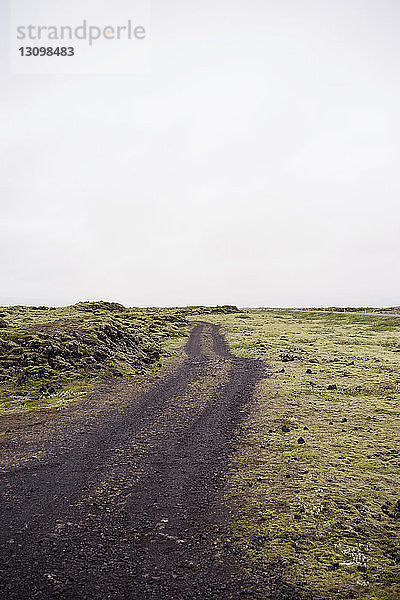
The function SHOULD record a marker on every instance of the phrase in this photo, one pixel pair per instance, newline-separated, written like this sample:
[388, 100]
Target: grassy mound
[209, 310]
[50, 353]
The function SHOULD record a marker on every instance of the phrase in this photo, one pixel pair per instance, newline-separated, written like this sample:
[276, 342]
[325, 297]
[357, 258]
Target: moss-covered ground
[51, 356]
[315, 481]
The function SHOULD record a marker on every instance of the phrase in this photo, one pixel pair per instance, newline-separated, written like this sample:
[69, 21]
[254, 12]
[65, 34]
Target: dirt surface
[124, 500]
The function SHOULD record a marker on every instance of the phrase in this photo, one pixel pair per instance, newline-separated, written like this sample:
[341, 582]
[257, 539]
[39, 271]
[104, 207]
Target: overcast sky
[257, 163]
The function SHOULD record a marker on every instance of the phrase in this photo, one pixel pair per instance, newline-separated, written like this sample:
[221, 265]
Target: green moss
[45, 348]
[319, 505]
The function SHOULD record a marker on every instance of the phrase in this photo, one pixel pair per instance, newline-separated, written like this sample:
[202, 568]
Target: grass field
[315, 481]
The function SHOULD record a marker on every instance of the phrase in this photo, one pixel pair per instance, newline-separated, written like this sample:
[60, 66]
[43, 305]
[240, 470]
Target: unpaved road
[128, 504]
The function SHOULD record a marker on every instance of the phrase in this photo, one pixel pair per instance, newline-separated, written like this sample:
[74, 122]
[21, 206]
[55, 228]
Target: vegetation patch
[50, 356]
[315, 481]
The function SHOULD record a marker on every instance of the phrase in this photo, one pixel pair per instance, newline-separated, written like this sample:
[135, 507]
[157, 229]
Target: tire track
[162, 540]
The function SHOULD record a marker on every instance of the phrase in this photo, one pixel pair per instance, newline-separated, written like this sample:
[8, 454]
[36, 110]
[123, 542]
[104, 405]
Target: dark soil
[128, 505]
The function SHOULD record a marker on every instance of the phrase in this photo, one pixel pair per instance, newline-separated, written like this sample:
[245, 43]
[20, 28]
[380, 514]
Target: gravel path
[127, 505]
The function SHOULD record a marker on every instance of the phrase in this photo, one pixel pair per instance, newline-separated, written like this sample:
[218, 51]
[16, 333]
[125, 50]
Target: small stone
[47, 388]
[286, 357]
[285, 429]
[332, 386]
[308, 371]
[344, 420]
[297, 517]
[330, 422]
[301, 440]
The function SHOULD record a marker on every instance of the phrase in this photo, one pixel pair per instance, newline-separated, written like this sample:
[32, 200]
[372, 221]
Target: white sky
[256, 164]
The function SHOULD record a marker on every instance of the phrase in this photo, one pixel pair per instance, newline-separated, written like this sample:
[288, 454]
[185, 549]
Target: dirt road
[127, 504]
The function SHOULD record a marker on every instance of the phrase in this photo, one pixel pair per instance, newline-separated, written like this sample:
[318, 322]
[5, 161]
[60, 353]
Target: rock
[308, 371]
[362, 509]
[22, 378]
[362, 568]
[297, 517]
[396, 512]
[281, 371]
[47, 388]
[301, 440]
[344, 420]
[286, 357]
[285, 429]
[332, 386]
[330, 422]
